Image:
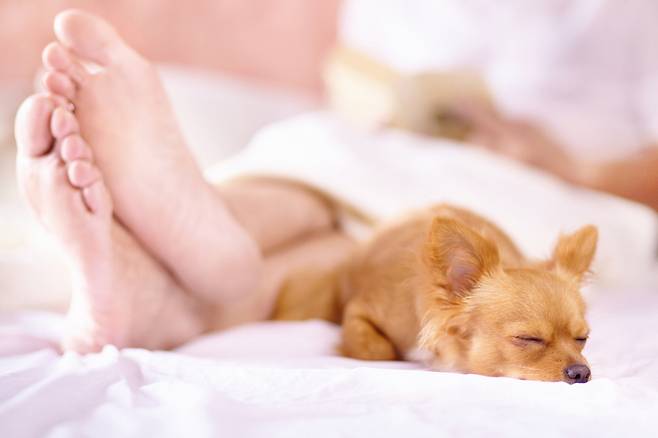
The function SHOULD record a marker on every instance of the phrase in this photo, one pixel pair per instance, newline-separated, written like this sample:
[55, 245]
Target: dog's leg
[362, 339]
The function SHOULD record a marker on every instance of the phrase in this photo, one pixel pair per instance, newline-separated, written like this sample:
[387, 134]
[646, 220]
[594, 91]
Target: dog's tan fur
[451, 285]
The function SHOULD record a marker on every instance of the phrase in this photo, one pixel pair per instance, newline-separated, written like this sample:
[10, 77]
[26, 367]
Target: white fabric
[282, 380]
[388, 173]
[584, 69]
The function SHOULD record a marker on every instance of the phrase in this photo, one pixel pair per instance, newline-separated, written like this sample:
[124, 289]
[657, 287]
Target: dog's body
[451, 285]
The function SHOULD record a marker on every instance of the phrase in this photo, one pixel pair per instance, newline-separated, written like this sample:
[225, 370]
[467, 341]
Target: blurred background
[275, 44]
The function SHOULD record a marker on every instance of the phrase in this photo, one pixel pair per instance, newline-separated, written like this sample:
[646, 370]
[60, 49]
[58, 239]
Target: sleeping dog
[449, 288]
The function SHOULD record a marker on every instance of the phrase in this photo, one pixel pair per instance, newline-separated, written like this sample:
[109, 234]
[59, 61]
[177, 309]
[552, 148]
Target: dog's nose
[577, 374]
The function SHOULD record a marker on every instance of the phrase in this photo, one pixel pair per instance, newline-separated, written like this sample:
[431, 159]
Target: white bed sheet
[386, 173]
[284, 379]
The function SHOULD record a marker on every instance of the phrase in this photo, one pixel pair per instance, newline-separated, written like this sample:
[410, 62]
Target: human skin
[634, 177]
[150, 243]
[121, 290]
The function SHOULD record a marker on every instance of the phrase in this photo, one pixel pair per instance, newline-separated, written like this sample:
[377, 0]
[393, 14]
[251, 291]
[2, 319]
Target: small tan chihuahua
[448, 287]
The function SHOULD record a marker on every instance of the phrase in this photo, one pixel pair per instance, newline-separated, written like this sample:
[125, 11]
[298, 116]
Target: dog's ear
[574, 252]
[458, 256]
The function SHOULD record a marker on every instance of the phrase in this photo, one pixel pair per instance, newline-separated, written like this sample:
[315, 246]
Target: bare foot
[158, 190]
[120, 293]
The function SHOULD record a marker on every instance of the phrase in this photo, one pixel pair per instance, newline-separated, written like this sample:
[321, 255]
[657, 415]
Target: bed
[285, 379]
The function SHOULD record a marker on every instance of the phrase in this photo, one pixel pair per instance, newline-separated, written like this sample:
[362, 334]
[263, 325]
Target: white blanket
[387, 173]
[269, 379]
[283, 379]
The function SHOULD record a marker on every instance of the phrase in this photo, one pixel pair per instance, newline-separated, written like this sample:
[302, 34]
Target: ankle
[243, 266]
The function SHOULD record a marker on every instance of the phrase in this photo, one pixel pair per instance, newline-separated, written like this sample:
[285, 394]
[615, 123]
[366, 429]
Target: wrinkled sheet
[284, 379]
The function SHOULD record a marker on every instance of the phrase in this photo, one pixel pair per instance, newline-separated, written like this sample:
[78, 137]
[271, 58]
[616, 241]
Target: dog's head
[525, 322]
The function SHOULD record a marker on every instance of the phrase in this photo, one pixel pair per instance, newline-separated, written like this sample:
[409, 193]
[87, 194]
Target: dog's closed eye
[525, 340]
